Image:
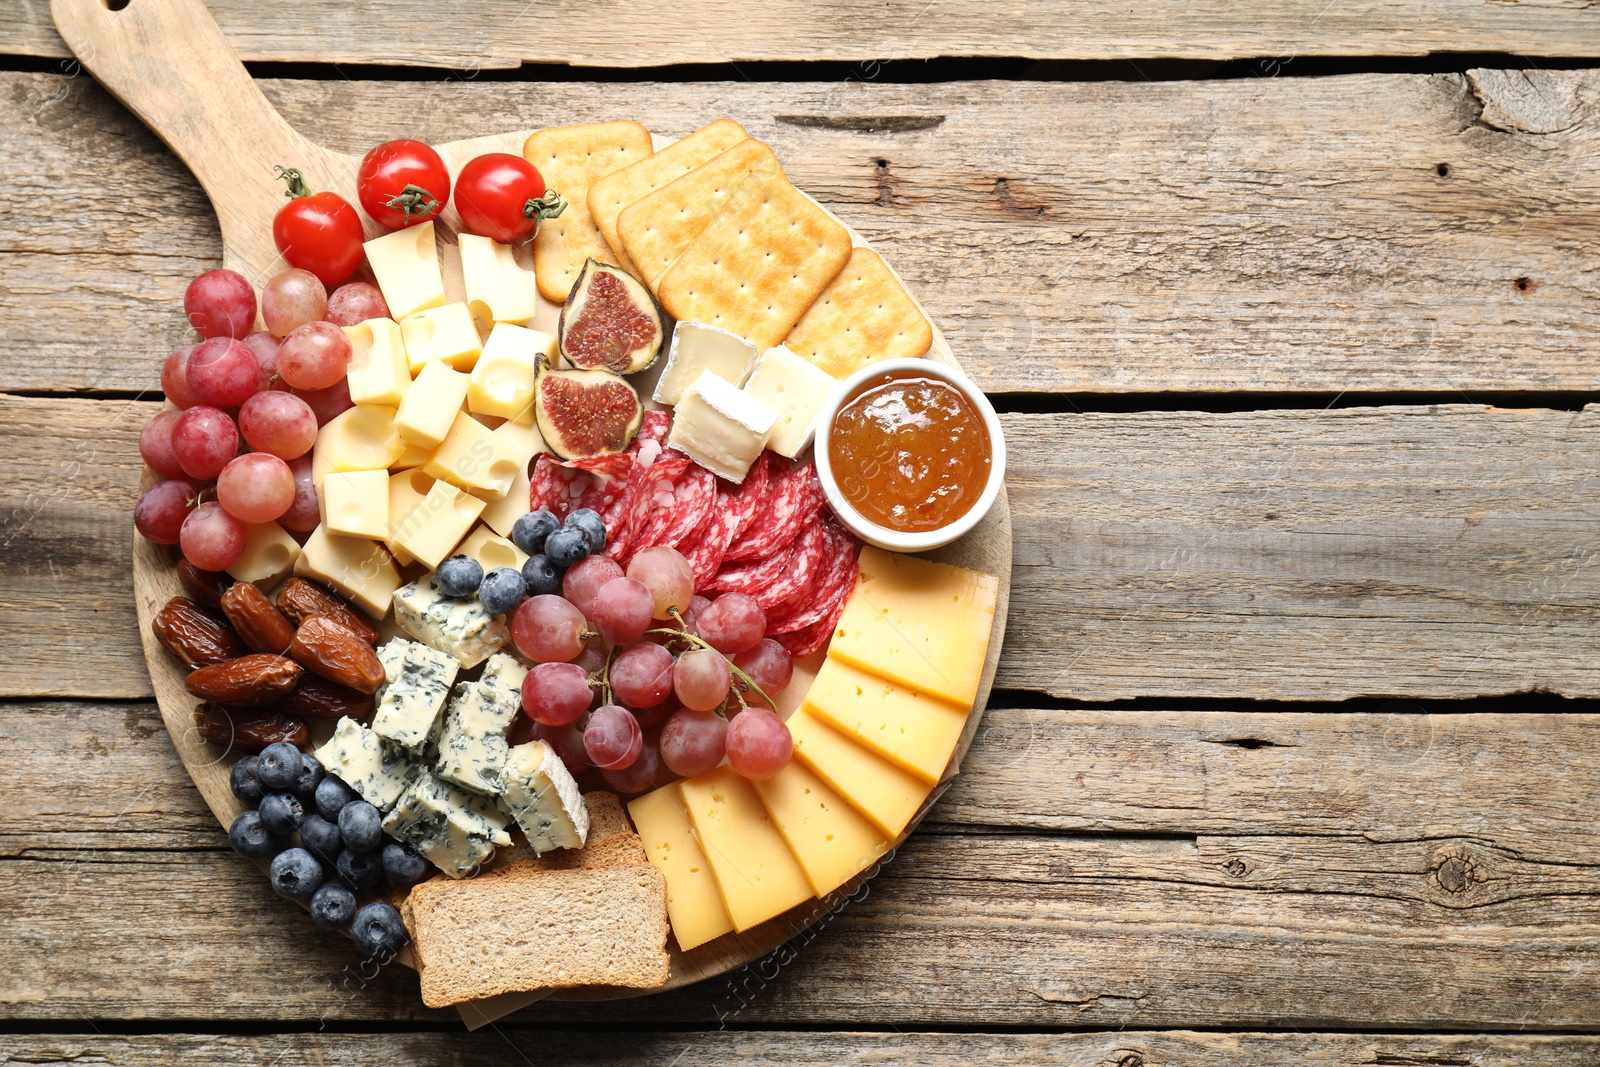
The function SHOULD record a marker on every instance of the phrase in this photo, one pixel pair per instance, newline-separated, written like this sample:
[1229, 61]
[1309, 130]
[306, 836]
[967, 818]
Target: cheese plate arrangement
[567, 558]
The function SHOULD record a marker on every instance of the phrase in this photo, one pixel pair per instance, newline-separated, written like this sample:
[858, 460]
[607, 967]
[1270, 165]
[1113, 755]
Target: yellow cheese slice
[885, 794]
[694, 903]
[832, 840]
[406, 264]
[757, 874]
[908, 728]
[922, 624]
[444, 334]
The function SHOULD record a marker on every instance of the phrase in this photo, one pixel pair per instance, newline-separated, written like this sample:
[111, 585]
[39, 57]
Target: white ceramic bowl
[881, 536]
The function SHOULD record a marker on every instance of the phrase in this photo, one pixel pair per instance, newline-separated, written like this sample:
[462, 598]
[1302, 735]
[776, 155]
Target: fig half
[609, 322]
[585, 413]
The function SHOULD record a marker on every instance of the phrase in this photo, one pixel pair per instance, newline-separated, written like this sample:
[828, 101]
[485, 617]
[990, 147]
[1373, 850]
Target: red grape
[160, 513]
[220, 303]
[612, 739]
[653, 719]
[327, 404]
[547, 629]
[556, 693]
[700, 678]
[668, 576]
[314, 356]
[584, 579]
[204, 439]
[641, 676]
[279, 423]
[256, 487]
[175, 378]
[691, 614]
[693, 742]
[265, 346]
[568, 744]
[155, 445]
[759, 744]
[733, 623]
[224, 373]
[292, 298]
[355, 302]
[768, 664]
[304, 514]
[211, 539]
[593, 657]
[622, 610]
[639, 775]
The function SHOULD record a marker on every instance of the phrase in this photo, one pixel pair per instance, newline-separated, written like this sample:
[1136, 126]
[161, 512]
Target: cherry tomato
[502, 197]
[318, 232]
[402, 183]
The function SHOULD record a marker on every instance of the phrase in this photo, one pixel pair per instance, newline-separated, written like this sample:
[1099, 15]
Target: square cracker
[656, 229]
[864, 315]
[759, 265]
[610, 194]
[571, 158]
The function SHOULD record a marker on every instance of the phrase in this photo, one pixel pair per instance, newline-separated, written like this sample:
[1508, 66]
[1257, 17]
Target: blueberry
[530, 531]
[332, 796]
[296, 874]
[361, 826]
[282, 813]
[540, 576]
[401, 864]
[321, 838]
[566, 546]
[360, 870]
[593, 526]
[249, 837]
[333, 906]
[305, 786]
[458, 577]
[378, 930]
[278, 767]
[243, 781]
[502, 590]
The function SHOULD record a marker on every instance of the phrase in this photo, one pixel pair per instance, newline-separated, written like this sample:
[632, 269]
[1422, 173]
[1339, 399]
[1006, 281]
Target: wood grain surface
[1367, 233]
[645, 33]
[1285, 554]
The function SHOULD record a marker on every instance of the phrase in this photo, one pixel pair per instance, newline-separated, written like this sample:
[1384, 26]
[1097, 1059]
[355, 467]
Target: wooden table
[1294, 754]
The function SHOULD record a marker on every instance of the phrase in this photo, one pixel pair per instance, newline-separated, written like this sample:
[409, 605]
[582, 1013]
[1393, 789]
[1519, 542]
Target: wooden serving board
[167, 61]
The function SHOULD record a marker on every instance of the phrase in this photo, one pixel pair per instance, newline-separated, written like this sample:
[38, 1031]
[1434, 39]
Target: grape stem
[605, 676]
[745, 681]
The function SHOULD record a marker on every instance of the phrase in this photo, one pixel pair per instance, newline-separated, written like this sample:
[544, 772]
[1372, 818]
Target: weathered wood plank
[1405, 551]
[645, 33]
[1295, 884]
[1170, 1048]
[1362, 233]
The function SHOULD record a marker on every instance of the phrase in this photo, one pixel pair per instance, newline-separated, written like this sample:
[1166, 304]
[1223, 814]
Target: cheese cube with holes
[379, 372]
[796, 390]
[719, 427]
[360, 569]
[885, 794]
[694, 903]
[356, 503]
[406, 264]
[431, 405]
[473, 458]
[757, 874]
[696, 348]
[502, 380]
[406, 490]
[501, 515]
[924, 625]
[436, 525]
[443, 334]
[269, 554]
[910, 729]
[498, 288]
[364, 438]
[491, 551]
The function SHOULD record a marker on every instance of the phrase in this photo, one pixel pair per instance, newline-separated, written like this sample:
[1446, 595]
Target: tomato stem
[547, 206]
[296, 180]
[413, 199]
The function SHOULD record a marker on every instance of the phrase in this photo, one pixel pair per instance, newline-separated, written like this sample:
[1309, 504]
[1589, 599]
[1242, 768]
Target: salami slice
[751, 576]
[750, 498]
[805, 563]
[650, 494]
[694, 494]
[705, 547]
[550, 485]
[597, 482]
[830, 590]
[793, 499]
[813, 638]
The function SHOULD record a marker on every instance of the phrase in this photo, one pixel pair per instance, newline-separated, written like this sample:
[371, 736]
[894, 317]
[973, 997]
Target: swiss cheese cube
[832, 840]
[925, 625]
[472, 457]
[433, 528]
[269, 554]
[406, 264]
[885, 794]
[431, 405]
[696, 348]
[406, 491]
[694, 903]
[356, 504]
[364, 438]
[757, 874]
[910, 729]
[719, 427]
[502, 380]
[794, 388]
[444, 334]
[358, 568]
[413, 457]
[491, 551]
[498, 289]
[378, 372]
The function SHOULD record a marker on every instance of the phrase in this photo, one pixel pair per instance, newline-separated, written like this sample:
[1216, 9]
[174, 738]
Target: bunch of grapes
[634, 672]
[249, 404]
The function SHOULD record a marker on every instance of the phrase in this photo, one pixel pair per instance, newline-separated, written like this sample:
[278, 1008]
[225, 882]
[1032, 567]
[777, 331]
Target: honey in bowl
[909, 452]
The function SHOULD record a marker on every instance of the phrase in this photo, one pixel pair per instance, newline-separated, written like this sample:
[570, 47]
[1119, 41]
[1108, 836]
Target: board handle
[169, 63]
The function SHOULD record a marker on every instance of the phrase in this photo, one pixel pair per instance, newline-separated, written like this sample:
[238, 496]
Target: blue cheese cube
[356, 756]
[418, 680]
[452, 829]
[460, 627]
[472, 747]
[505, 674]
[543, 798]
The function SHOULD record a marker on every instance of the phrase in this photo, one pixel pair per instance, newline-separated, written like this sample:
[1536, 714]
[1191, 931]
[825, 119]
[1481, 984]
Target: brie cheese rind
[719, 427]
[542, 796]
[697, 347]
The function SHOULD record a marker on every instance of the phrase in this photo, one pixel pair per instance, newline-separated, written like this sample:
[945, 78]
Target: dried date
[259, 623]
[318, 698]
[194, 636]
[204, 587]
[254, 679]
[331, 651]
[248, 729]
[301, 600]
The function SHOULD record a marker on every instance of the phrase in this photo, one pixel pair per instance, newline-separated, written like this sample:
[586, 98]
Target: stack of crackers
[590, 916]
[718, 233]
